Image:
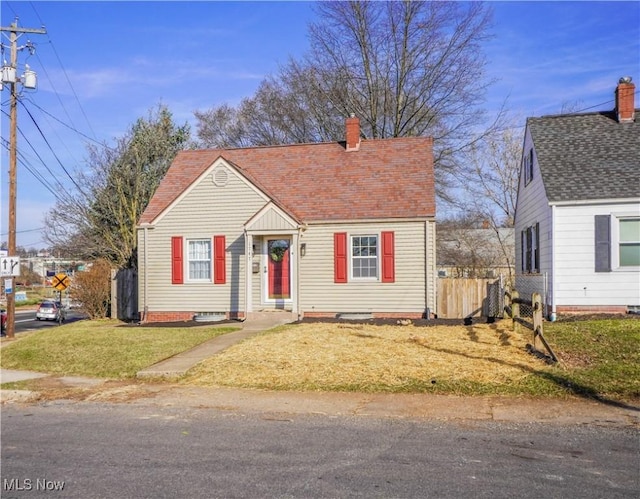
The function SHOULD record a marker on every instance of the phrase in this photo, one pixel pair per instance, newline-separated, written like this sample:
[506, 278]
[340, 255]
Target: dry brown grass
[329, 356]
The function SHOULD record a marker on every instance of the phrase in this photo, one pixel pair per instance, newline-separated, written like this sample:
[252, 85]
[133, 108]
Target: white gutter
[553, 260]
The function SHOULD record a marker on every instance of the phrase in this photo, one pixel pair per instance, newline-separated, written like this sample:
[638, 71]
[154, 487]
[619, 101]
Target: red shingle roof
[386, 178]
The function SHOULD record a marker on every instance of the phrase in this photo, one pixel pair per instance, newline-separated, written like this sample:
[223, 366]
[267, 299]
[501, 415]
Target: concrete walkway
[179, 364]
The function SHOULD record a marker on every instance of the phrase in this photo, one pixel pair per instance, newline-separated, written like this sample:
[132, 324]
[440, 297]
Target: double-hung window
[629, 242]
[364, 257]
[199, 259]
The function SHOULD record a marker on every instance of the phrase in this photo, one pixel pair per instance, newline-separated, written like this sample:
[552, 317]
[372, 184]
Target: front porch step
[271, 316]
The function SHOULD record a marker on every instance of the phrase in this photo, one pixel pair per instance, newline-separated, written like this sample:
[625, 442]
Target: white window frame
[189, 260]
[615, 242]
[352, 257]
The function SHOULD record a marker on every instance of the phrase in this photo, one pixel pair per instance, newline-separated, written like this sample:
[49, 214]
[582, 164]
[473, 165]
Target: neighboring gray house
[578, 209]
[307, 229]
[475, 252]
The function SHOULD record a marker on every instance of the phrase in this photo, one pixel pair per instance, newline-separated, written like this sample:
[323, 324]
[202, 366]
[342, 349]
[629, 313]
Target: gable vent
[220, 177]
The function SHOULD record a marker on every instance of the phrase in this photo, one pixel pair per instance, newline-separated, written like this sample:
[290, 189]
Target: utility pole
[9, 75]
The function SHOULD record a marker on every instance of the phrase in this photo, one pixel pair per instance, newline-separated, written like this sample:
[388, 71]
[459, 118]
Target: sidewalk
[279, 404]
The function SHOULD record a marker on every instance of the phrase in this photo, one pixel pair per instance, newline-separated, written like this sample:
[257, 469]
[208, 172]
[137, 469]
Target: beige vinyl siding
[256, 279]
[319, 293]
[272, 221]
[431, 269]
[204, 211]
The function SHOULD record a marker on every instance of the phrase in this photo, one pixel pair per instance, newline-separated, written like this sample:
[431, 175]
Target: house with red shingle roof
[310, 230]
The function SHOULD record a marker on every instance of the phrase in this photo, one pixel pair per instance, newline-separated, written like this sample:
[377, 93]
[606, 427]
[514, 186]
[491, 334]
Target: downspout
[552, 288]
[429, 275]
[248, 255]
[298, 257]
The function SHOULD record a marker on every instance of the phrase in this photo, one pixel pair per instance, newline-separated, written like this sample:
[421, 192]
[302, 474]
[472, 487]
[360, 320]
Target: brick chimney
[625, 110]
[353, 133]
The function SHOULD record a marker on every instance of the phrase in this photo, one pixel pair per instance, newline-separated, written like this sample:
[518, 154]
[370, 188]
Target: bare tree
[491, 176]
[490, 180]
[468, 246]
[99, 221]
[404, 68]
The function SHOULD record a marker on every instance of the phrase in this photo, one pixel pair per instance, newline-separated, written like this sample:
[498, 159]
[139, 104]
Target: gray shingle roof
[587, 156]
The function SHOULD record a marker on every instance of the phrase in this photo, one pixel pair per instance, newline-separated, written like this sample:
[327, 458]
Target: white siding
[204, 211]
[533, 207]
[577, 283]
[567, 253]
[319, 293]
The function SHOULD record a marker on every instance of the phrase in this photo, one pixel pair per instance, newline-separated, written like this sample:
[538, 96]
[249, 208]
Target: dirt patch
[117, 391]
[400, 322]
[378, 357]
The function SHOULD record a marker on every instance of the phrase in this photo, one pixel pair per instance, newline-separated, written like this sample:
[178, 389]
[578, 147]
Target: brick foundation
[591, 309]
[375, 315]
[189, 316]
[168, 316]
[182, 316]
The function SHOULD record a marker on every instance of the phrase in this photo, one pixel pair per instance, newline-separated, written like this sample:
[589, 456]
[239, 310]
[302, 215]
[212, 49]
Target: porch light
[303, 249]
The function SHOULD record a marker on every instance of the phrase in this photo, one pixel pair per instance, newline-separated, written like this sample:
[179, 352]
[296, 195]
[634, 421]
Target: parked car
[3, 321]
[50, 310]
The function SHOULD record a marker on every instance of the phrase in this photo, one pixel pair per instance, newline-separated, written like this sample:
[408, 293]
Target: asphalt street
[98, 450]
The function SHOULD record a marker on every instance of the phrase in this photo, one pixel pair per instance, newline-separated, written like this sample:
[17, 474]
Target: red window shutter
[340, 257]
[177, 267]
[388, 257]
[220, 260]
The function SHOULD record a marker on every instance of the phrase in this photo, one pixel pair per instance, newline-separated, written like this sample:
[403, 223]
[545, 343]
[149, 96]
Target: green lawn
[101, 348]
[599, 358]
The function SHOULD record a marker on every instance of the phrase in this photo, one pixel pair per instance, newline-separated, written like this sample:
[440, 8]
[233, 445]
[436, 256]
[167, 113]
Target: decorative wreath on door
[276, 253]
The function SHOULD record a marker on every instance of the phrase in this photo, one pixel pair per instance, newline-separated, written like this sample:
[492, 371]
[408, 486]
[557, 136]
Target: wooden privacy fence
[460, 298]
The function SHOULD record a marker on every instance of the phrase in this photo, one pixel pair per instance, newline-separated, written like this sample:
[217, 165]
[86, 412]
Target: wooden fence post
[515, 310]
[536, 298]
[506, 309]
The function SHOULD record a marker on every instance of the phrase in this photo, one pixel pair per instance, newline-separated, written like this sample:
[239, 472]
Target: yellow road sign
[61, 282]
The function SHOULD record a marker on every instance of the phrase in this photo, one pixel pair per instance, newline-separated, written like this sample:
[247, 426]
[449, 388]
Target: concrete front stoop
[271, 318]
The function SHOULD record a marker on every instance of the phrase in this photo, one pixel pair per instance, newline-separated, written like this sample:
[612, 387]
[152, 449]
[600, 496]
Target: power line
[65, 74]
[23, 231]
[51, 148]
[35, 173]
[65, 124]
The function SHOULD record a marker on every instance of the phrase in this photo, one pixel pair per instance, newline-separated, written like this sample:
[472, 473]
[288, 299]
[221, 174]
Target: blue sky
[102, 65]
